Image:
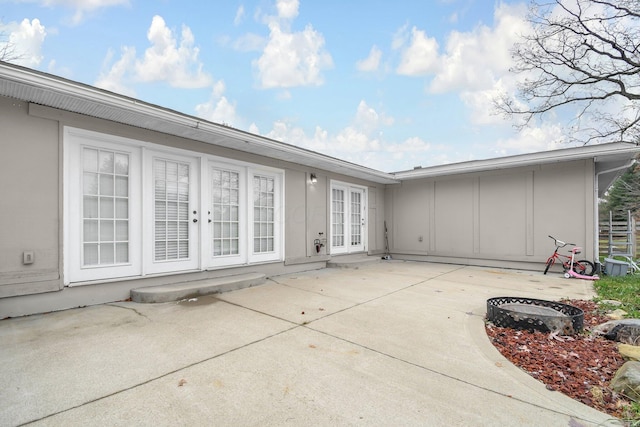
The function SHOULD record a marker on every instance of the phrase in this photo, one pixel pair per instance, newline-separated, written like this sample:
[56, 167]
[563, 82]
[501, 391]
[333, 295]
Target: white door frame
[341, 218]
[191, 217]
[139, 196]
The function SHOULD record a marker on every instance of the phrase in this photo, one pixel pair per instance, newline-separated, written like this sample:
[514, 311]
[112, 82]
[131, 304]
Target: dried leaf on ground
[579, 366]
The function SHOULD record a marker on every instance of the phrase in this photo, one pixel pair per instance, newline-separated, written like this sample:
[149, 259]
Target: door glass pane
[105, 195]
[356, 218]
[263, 208]
[90, 183]
[90, 254]
[106, 161]
[171, 215]
[337, 218]
[90, 207]
[225, 205]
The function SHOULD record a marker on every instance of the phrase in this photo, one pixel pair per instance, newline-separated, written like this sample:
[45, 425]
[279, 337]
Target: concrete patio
[391, 343]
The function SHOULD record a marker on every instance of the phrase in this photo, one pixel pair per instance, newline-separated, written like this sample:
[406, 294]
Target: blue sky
[388, 85]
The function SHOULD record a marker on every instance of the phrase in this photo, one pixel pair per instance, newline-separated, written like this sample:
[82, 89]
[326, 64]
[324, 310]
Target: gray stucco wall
[29, 203]
[31, 207]
[497, 218]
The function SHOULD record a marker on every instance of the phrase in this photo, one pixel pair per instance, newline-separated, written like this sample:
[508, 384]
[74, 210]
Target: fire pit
[535, 314]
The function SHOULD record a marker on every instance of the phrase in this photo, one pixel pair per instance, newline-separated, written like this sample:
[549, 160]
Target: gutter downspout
[596, 231]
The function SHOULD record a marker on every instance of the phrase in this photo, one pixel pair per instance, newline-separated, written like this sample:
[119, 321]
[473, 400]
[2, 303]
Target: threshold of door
[180, 291]
[352, 261]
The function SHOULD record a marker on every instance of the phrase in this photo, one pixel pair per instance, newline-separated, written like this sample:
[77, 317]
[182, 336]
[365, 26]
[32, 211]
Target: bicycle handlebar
[560, 243]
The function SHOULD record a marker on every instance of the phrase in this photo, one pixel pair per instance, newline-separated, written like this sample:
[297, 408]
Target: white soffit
[611, 154]
[48, 90]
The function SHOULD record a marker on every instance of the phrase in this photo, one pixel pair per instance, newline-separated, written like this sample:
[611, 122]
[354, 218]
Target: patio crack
[129, 308]
[451, 377]
[158, 377]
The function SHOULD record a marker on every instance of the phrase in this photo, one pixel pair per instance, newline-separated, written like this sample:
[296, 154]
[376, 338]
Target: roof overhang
[52, 91]
[611, 161]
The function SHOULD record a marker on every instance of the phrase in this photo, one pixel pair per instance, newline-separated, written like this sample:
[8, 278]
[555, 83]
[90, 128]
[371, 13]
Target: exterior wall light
[313, 178]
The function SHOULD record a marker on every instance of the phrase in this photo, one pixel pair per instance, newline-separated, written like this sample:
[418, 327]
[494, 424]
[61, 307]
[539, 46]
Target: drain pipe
[596, 191]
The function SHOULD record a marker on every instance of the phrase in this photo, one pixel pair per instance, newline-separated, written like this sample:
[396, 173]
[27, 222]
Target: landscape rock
[610, 302]
[616, 314]
[604, 328]
[627, 334]
[629, 352]
[627, 380]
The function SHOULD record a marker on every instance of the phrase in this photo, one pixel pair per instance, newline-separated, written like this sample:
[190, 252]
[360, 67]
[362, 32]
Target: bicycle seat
[576, 250]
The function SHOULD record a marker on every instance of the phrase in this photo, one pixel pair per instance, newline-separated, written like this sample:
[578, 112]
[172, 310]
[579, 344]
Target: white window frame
[152, 266]
[348, 248]
[278, 232]
[75, 140]
[211, 261]
[140, 209]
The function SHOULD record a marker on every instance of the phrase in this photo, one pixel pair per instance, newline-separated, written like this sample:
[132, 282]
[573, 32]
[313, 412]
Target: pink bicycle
[582, 267]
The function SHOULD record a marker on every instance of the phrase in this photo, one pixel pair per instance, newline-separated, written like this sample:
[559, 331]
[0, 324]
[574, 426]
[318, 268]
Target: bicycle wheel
[584, 267]
[550, 262]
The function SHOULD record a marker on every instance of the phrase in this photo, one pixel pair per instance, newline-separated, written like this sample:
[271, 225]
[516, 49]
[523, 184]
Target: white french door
[102, 218]
[226, 239]
[173, 213]
[134, 208]
[348, 218]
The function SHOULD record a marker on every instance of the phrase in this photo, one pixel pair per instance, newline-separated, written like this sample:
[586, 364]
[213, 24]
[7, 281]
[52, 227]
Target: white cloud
[23, 42]
[413, 144]
[359, 142]
[168, 59]
[254, 129]
[249, 42]
[81, 7]
[291, 59]
[239, 15]
[284, 95]
[421, 56]
[476, 60]
[369, 120]
[474, 65]
[400, 37]
[482, 101]
[218, 109]
[53, 68]
[371, 62]
[532, 140]
[287, 9]
[114, 79]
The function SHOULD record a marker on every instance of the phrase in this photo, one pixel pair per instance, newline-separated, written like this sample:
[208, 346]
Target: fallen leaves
[579, 366]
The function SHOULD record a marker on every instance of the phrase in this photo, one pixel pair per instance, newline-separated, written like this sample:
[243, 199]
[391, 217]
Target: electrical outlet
[28, 257]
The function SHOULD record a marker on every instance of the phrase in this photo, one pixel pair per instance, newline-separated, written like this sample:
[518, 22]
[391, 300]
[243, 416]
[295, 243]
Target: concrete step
[351, 261]
[179, 291]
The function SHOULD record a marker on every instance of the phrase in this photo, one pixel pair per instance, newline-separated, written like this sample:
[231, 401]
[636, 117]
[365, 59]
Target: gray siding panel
[30, 200]
[498, 216]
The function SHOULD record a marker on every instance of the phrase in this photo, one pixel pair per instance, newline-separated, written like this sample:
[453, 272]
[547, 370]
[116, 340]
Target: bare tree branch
[8, 51]
[583, 54]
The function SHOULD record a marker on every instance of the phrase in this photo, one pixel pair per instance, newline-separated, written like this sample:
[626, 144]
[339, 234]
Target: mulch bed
[579, 366]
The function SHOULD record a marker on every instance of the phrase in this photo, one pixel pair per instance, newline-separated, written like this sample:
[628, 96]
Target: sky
[390, 85]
